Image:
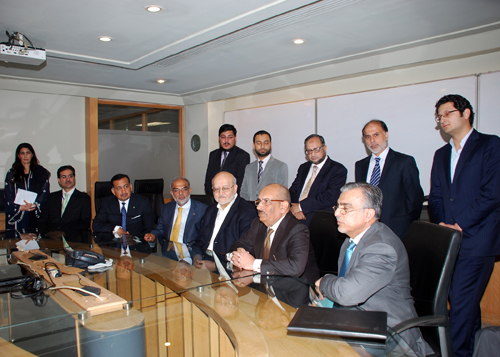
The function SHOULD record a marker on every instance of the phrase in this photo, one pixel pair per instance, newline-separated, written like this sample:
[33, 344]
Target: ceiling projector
[16, 50]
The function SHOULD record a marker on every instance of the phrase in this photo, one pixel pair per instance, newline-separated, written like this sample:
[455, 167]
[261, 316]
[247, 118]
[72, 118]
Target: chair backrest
[152, 189]
[432, 253]
[2, 200]
[326, 241]
[208, 200]
[102, 189]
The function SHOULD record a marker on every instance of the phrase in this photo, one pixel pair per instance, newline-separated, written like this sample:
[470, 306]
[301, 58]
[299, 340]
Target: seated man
[180, 222]
[373, 264]
[225, 221]
[123, 213]
[67, 212]
[277, 243]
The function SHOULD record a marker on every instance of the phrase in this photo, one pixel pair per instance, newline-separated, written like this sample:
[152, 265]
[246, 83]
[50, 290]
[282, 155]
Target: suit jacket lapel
[279, 234]
[364, 168]
[72, 203]
[190, 217]
[469, 146]
[387, 165]
[230, 214]
[323, 172]
[303, 177]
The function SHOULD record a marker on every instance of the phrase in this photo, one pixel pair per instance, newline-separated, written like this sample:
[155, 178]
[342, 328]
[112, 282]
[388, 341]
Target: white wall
[196, 123]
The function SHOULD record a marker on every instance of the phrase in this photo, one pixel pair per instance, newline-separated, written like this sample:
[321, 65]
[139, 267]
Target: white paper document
[23, 195]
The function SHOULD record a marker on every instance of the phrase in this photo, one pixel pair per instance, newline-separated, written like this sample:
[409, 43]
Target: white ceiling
[201, 46]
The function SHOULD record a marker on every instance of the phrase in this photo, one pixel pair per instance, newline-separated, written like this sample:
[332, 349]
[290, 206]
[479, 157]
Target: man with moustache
[374, 273]
[225, 221]
[277, 242]
[465, 195]
[179, 223]
[265, 170]
[228, 157]
[396, 174]
[67, 212]
[318, 182]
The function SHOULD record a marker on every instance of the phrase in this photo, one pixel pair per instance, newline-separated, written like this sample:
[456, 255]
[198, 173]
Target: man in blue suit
[465, 195]
[318, 182]
[179, 223]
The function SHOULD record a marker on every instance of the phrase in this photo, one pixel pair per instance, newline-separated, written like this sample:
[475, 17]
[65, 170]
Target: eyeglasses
[446, 114]
[315, 150]
[228, 137]
[183, 189]
[64, 177]
[344, 211]
[266, 201]
[222, 189]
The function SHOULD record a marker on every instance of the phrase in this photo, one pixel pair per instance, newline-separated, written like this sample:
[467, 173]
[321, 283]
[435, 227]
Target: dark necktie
[225, 153]
[375, 179]
[260, 171]
[347, 259]
[267, 245]
[124, 217]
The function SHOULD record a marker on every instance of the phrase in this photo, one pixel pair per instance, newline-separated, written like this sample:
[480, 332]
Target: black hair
[459, 102]
[118, 177]
[18, 167]
[227, 127]
[315, 136]
[262, 132]
[64, 168]
[377, 121]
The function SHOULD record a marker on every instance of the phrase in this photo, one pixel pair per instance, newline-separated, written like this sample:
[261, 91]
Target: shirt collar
[320, 166]
[265, 160]
[462, 142]
[359, 236]
[70, 192]
[186, 206]
[383, 154]
[275, 226]
[228, 207]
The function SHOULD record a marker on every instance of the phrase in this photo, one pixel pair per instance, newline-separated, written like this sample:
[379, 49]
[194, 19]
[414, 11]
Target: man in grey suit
[265, 170]
[373, 265]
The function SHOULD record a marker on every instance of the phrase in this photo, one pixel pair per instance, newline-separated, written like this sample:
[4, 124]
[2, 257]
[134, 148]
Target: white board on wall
[488, 120]
[408, 112]
[289, 124]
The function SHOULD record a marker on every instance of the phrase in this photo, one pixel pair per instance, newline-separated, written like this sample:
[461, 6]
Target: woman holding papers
[26, 188]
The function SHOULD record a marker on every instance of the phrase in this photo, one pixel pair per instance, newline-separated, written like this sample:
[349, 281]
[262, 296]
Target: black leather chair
[2, 200]
[326, 241]
[208, 200]
[432, 252]
[102, 189]
[152, 189]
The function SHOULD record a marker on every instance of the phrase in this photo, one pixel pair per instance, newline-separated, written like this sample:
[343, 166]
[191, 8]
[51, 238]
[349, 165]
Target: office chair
[208, 200]
[152, 189]
[102, 189]
[326, 241]
[432, 252]
[2, 200]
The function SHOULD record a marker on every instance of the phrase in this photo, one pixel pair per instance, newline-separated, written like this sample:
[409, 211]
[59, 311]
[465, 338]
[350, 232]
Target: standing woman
[27, 174]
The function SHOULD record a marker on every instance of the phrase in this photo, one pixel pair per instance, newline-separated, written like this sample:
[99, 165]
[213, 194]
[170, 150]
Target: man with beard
[318, 182]
[228, 157]
[396, 174]
[265, 170]
[179, 223]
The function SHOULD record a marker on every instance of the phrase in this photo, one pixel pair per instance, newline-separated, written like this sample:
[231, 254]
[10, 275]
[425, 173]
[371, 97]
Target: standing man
[465, 195]
[396, 174]
[318, 182]
[228, 157]
[67, 212]
[179, 223]
[265, 170]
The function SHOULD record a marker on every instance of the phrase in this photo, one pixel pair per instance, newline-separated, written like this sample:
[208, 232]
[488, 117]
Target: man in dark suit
[465, 195]
[67, 212]
[373, 265]
[179, 223]
[277, 243]
[123, 207]
[224, 222]
[396, 174]
[318, 182]
[228, 157]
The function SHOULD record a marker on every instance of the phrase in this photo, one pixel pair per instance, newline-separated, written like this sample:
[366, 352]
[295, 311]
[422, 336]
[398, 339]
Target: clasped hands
[295, 209]
[242, 259]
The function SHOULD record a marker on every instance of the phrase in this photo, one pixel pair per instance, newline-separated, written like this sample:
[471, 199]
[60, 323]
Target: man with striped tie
[396, 174]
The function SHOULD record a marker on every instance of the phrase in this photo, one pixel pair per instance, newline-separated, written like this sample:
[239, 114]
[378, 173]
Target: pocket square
[136, 216]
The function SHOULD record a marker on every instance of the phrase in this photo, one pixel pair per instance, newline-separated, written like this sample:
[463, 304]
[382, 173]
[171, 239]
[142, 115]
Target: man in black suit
[277, 243]
[224, 222]
[124, 207]
[396, 174]
[318, 182]
[228, 157]
[67, 212]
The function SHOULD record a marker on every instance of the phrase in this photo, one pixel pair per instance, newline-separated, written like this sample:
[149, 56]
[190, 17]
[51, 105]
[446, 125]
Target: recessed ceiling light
[105, 39]
[153, 8]
[161, 81]
[298, 41]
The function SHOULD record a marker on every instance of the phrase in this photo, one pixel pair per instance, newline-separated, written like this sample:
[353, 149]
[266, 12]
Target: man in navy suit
[139, 216]
[396, 174]
[318, 182]
[67, 212]
[228, 157]
[465, 195]
[179, 223]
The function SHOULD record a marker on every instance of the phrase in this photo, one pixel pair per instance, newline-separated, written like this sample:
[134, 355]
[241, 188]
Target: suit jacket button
[452, 199]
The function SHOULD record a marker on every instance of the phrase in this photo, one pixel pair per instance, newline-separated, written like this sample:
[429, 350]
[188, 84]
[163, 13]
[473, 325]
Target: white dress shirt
[221, 216]
[455, 154]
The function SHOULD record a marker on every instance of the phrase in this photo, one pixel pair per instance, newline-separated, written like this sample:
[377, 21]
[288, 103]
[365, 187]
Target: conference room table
[170, 308]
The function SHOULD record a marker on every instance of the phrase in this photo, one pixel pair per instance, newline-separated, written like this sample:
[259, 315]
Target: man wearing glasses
[277, 243]
[67, 212]
[224, 222]
[228, 157]
[318, 182]
[465, 195]
[180, 222]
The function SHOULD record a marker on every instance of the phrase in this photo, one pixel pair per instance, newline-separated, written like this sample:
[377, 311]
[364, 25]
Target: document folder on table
[345, 323]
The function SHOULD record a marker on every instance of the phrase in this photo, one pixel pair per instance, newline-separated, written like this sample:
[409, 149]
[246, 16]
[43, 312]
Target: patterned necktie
[64, 202]
[124, 217]
[260, 171]
[176, 230]
[375, 179]
[224, 159]
[267, 244]
[347, 259]
[305, 192]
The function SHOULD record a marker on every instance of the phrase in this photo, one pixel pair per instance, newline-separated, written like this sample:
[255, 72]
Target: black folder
[345, 323]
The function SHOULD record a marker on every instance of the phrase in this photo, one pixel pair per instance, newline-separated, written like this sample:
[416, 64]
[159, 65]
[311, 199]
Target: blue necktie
[375, 179]
[260, 171]
[124, 217]
[347, 259]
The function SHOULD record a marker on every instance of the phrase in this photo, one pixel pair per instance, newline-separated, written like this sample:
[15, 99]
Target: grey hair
[180, 178]
[373, 195]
